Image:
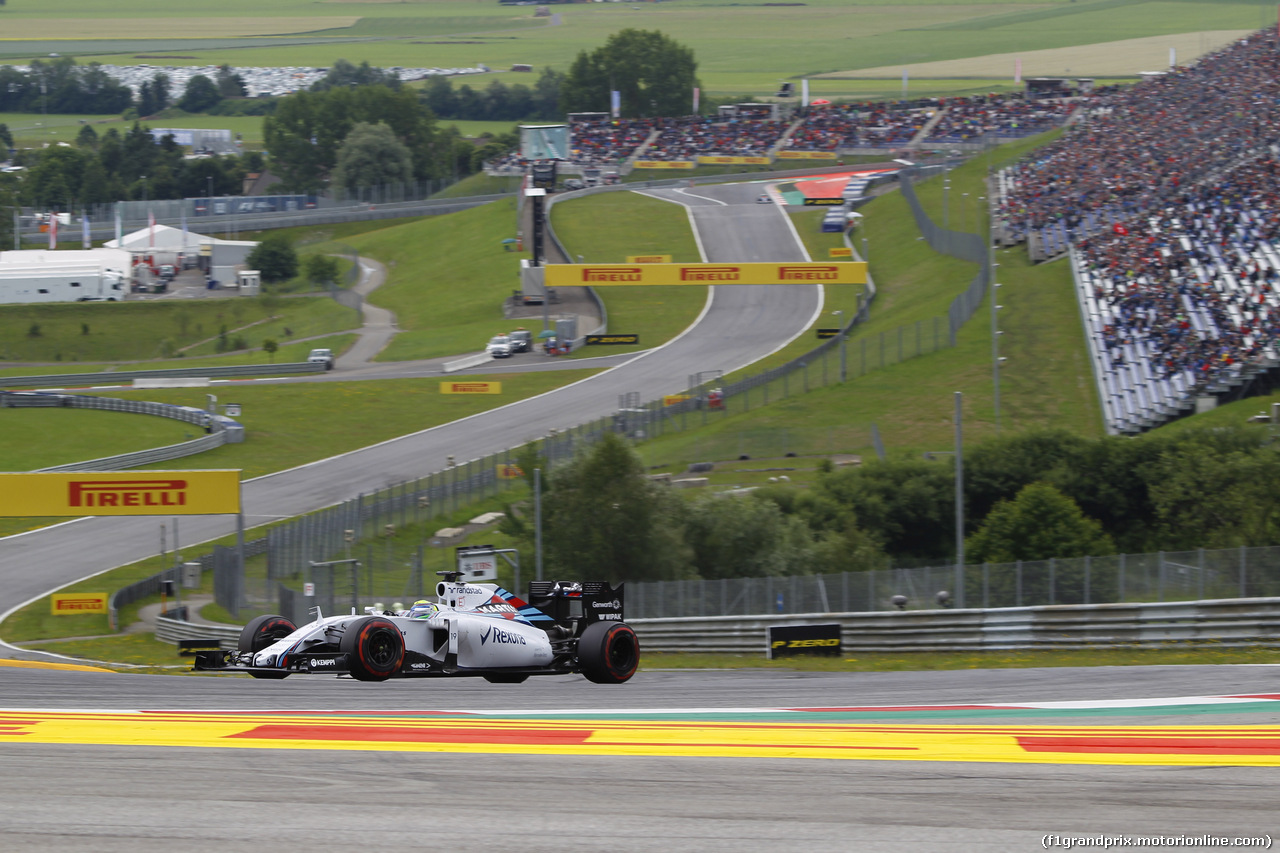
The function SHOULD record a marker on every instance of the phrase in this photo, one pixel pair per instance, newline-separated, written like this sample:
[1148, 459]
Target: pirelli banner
[716, 159]
[120, 493]
[606, 275]
[470, 387]
[664, 164]
[806, 155]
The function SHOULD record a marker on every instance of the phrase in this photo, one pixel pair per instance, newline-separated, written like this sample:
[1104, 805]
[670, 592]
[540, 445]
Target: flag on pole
[615, 103]
[53, 230]
[804, 92]
[697, 96]
[119, 229]
[84, 231]
[184, 231]
[904, 83]
[151, 226]
[1173, 57]
[1017, 71]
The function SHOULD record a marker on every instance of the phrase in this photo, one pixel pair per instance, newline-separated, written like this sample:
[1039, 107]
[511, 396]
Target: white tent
[162, 238]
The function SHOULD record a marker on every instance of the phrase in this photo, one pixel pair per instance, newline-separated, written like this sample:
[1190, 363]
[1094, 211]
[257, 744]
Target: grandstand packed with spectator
[1005, 116]
[687, 138]
[1186, 297]
[1169, 194]
[1141, 146]
[864, 125]
[597, 143]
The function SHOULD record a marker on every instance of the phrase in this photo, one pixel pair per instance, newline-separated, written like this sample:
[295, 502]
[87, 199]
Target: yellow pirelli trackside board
[120, 493]
[470, 387]
[597, 275]
[74, 603]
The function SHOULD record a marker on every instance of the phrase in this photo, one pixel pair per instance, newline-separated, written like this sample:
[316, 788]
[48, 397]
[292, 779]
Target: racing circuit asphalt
[79, 795]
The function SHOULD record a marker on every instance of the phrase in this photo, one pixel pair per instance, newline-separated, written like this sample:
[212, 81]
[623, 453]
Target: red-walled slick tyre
[262, 632]
[374, 648]
[608, 652]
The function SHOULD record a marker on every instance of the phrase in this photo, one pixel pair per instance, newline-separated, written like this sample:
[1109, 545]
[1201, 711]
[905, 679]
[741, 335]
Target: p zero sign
[786, 640]
[120, 493]
[614, 275]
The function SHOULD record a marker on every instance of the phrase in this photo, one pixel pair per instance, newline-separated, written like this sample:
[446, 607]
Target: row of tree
[365, 136]
[100, 169]
[1031, 496]
[63, 87]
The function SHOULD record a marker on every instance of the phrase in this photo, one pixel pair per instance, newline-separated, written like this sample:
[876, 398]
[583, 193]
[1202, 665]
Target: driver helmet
[423, 609]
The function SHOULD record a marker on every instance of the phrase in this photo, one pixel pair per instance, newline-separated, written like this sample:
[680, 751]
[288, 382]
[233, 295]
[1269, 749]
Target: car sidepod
[496, 642]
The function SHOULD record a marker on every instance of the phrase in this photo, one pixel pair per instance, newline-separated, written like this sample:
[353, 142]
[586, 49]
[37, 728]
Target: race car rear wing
[587, 602]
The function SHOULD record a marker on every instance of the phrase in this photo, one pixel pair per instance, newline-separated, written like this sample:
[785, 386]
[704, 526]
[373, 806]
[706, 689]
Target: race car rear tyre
[262, 632]
[608, 652]
[505, 678]
[374, 648]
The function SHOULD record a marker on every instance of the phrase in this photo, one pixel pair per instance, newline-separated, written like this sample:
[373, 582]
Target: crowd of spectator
[1005, 116]
[1141, 146]
[1170, 192]
[865, 125]
[1195, 281]
[607, 141]
[687, 138]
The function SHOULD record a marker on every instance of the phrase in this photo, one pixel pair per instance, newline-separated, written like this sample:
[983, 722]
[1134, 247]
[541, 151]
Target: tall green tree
[230, 84]
[654, 74]
[275, 258]
[201, 95]
[371, 155]
[1041, 522]
[307, 130]
[908, 505]
[603, 519]
[345, 73]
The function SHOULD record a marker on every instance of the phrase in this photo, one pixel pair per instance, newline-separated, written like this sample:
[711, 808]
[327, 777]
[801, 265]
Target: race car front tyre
[374, 648]
[608, 652]
[262, 632]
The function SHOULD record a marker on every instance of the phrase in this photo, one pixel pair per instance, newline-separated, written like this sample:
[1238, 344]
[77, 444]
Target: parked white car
[499, 346]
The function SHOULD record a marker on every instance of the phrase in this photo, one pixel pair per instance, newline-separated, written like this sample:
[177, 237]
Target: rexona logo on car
[158, 493]
[498, 635]
[711, 274]
[809, 273]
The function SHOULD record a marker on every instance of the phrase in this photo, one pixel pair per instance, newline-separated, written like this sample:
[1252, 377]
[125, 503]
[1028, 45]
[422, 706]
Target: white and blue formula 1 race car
[475, 629]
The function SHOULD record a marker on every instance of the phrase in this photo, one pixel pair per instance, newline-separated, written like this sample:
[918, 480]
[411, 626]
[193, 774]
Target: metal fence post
[1088, 572]
[1160, 576]
[1121, 584]
[1244, 561]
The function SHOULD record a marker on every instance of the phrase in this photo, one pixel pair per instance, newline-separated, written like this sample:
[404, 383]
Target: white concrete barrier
[467, 361]
[173, 382]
